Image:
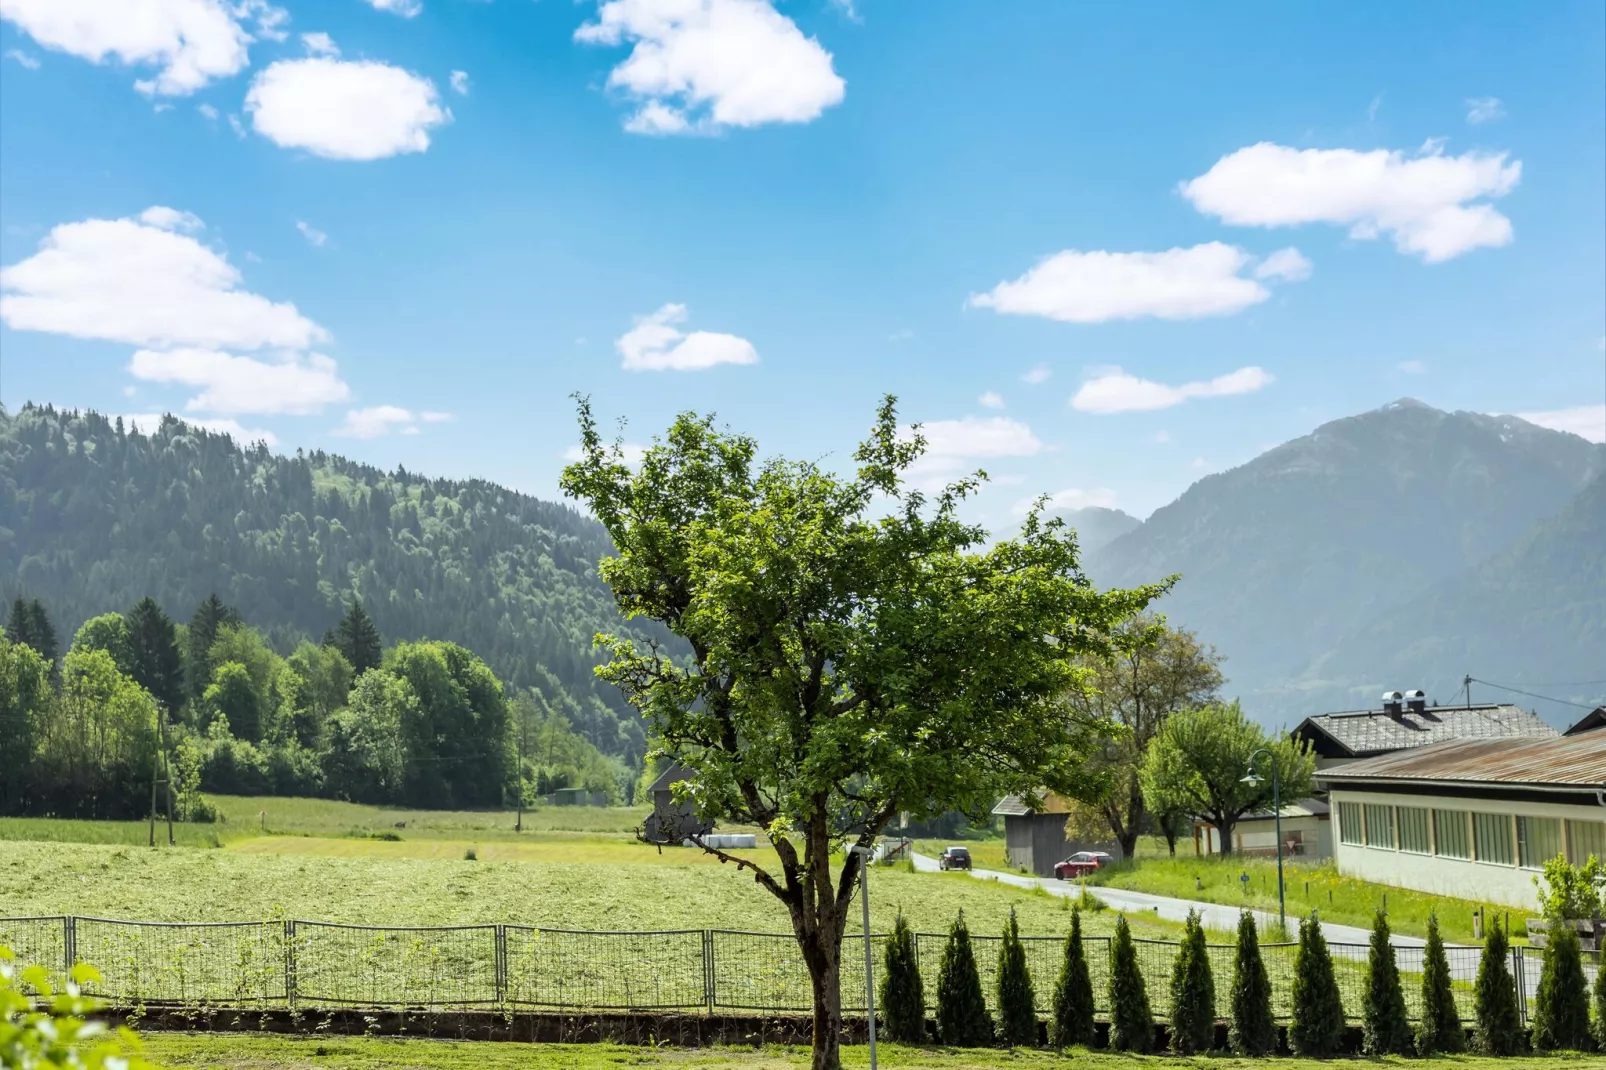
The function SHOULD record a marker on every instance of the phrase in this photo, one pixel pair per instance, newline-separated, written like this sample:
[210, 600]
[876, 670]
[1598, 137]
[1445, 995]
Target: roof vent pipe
[1416, 701]
[1392, 703]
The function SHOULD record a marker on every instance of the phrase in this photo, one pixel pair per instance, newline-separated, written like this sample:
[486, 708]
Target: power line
[1529, 694]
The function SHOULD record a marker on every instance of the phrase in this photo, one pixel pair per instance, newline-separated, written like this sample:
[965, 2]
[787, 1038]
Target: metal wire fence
[288, 963]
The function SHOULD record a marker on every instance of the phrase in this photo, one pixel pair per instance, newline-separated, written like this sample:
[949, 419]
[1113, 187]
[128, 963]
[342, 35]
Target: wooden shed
[672, 822]
[1034, 837]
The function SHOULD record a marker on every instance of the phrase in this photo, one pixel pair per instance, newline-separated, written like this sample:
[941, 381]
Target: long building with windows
[1474, 818]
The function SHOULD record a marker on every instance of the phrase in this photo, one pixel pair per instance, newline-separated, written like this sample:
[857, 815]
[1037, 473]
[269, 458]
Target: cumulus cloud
[313, 235]
[1096, 287]
[654, 344]
[1285, 265]
[460, 83]
[405, 8]
[148, 423]
[320, 44]
[1113, 390]
[991, 400]
[1585, 421]
[633, 452]
[291, 383]
[1484, 109]
[697, 65]
[1039, 373]
[1070, 498]
[190, 42]
[380, 420]
[1431, 205]
[146, 281]
[344, 110]
[954, 447]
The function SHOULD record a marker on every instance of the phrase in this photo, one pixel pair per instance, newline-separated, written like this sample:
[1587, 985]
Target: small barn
[672, 822]
[1034, 835]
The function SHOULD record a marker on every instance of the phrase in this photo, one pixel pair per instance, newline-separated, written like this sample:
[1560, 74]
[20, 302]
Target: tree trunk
[1128, 842]
[1224, 831]
[825, 976]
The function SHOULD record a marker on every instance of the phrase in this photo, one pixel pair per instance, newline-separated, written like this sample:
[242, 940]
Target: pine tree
[1561, 1005]
[1073, 993]
[962, 1018]
[30, 626]
[1017, 1005]
[210, 615]
[1385, 1029]
[1193, 992]
[1131, 1021]
[1253, 1030]
[1440, 1028]
[357, 638]
[153, 653]
[1316, 1028]
[1499, 1029]
[903, 995]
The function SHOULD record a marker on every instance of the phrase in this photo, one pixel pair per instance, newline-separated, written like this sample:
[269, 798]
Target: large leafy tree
[1201, 761]
[154, 659]
[845, 666]
[1138, 685]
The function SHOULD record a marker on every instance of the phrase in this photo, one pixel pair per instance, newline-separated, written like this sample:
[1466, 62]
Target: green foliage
[1193, 992]
[108, 632]
[962, 1018]
[1561, 1005]
[902, 995]
[233, 695]
[154, 660]
[29, 625]
[1439, 1029]
[1073, 992]
[1569, 892]
[456, 739]
[94, 742]
[1499, 1026]
[323, 680]
[1384, 1027]
[52, 1029]
[25, 694]
[1200, 759]
[1600, 1008]
[1252, 1030]
[1316, 1026]
[357, 639]
[1131, 1021]
[365, 761]
[209, 616]
[1017, 1014]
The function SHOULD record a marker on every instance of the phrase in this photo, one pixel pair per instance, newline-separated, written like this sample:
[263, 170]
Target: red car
[1081, 864]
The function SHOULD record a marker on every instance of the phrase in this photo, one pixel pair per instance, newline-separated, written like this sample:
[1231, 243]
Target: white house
[1475, 818]
[1306, 828]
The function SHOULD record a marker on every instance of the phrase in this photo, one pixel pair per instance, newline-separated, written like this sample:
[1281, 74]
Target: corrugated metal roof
[1366, 732]
[1564, 761]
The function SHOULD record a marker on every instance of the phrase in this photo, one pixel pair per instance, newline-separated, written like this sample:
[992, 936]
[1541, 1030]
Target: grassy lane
[252, 1052]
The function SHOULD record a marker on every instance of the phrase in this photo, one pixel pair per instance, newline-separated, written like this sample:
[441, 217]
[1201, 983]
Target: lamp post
[1277, 818]
[866, 856]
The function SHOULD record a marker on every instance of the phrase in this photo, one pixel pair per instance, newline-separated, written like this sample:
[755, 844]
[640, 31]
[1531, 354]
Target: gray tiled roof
[1364, 732]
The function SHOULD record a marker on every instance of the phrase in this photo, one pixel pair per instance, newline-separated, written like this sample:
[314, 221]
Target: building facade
[1307, 832]
[1034, 834]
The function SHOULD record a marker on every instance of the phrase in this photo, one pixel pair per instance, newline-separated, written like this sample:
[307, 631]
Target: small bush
[1440, 1028]
[1017, 1016]
[1131, 1021]
[1384, 1028]
[1561, 1006]
[1316, 1028]
[1499, 1028]
[903, 995]
[471, 855]
[1073, 993]
[962, 1018]
[1253, 1030]
[1193, 992]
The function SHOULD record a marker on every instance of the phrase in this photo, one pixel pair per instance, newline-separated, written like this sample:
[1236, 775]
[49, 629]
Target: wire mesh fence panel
[1463, 963]
[766, 971]
[604, 970]
[372, 966]
[1279, 962]
[237, 964]
[1350, 972]
[36, 941]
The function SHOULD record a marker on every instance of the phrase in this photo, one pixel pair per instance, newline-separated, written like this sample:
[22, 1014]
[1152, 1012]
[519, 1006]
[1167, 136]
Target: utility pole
[524, 728]
[866, 856]
[167, 769]
[1466, 682]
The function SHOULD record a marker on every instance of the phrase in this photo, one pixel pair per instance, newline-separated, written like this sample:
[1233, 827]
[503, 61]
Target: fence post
[1521, 983]
[709, 995]
[69, 942]
[501, 965]
[290, 963]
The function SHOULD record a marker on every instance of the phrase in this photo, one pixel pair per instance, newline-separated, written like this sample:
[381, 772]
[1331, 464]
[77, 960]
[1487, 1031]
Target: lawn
[1318, 886]
[187, 1051]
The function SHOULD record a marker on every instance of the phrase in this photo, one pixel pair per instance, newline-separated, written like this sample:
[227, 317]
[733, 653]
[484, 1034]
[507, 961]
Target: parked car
[954, 858]
[1081, 864]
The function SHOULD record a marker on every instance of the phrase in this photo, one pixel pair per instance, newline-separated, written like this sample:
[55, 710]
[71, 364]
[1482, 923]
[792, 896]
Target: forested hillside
[94, 516]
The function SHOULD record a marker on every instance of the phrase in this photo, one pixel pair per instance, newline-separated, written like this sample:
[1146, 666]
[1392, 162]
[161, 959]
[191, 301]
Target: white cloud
[435, 417]
[655, 345]
[1097, 287]
[292, 383]
[237, 126]
[901, 335]
[147, 283]
[377, 421]
[954, 446]
[28, 61]
[149, 423]
[207, 112]
[1421, 201]
[320, 44]
[991, 400]
[1113, 390]
[191, 42]
[1412, 367]
[1285, 265]
[344, 110]
[633, 453]
[1585, 421]
[405, 8]
[1484, 109]
[1198, 464]
[459, 81]
[312, 233]
[1070, 498]
[1040, 373]
[710, 64]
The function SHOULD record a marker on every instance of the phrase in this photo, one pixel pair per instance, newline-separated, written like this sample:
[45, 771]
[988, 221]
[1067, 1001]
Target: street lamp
[1277, 817]
[866, 856]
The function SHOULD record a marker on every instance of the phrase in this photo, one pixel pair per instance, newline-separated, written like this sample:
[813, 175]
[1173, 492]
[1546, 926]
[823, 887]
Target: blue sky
[1099, 250]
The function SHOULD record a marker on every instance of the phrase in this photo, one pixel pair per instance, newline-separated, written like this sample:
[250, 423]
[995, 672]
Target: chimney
[1392, 704]
[1416, 701]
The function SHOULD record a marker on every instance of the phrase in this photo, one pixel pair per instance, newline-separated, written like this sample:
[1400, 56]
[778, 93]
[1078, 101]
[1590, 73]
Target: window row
[1497, 839]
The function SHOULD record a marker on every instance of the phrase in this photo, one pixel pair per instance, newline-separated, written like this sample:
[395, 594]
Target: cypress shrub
[1193, 992]
[1317, 1026]
[962, 1018]
[1600, 1003]
[1440, 1028]
[903, 995]
[1385, 1029]
[1499, 1028]
[1131, 1021]
[1253, 1030]
[1073, 993]
[1017, 1008]
[1561, 1006]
